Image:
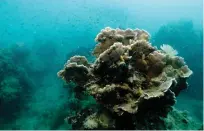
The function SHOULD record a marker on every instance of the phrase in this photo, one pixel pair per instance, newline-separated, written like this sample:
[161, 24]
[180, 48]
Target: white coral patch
[90, 123]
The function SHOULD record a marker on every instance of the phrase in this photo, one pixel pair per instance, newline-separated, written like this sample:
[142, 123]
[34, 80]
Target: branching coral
[128, 73]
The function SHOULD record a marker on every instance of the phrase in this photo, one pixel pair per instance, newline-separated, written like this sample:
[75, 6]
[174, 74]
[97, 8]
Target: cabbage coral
[129, 75]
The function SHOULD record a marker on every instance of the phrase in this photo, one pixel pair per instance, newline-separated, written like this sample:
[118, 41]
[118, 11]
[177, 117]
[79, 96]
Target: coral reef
[33, 106]
[15, 83]
[129, 79]
[187, 39]
[10, 89]
[177, 120]
[82, 51]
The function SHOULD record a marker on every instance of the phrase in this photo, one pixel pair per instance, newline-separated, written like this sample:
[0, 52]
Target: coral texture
[128, 73]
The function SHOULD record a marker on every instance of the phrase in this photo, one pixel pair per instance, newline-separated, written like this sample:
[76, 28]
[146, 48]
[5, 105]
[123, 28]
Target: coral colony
[131, 80]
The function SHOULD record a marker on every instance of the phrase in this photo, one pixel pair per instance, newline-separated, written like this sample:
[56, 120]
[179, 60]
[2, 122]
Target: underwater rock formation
[15, 83]
[129, 79]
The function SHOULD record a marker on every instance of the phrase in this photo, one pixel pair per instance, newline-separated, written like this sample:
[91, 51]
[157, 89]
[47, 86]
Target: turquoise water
[38, 36]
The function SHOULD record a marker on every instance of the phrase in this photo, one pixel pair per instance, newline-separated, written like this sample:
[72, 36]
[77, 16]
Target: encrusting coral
[129, 75]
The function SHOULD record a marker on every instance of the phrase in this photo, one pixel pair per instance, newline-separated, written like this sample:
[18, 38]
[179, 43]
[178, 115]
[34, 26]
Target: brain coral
[128, 72]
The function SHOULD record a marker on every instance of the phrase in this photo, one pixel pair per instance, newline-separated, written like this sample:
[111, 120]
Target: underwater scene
[101, 64]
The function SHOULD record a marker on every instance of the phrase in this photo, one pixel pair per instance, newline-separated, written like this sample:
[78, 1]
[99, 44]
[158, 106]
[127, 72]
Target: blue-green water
[38, 36]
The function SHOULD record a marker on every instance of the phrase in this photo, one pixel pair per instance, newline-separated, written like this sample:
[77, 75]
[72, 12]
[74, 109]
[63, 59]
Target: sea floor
[46, 103]
[193, 106]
